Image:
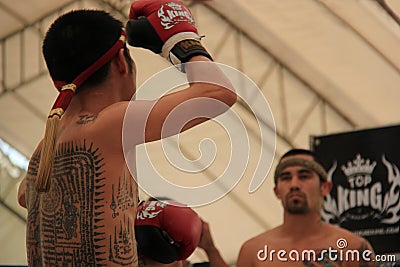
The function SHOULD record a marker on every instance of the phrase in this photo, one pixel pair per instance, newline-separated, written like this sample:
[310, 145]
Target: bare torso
[87, 217]
[331, 247]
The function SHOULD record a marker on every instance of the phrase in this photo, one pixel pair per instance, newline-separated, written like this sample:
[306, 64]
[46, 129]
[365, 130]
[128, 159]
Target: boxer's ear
[277, 193]
[326, 187]
[121, 63]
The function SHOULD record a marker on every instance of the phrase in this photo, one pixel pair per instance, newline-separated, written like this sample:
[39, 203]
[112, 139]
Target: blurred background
[324, 66]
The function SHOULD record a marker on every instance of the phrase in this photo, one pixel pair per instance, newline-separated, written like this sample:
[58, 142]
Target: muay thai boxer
[81, 198]
[304, 239]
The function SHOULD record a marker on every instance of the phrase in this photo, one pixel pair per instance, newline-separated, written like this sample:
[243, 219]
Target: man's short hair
[76, 40]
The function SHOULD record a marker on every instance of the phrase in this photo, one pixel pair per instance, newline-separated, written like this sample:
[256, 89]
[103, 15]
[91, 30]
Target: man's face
[299, 188]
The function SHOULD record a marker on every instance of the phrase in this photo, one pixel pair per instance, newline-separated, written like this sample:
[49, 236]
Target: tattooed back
[87, 216]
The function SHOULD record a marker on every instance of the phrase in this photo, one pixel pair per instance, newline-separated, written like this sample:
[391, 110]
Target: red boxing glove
[167, 231]
[165, 27]
[168, 17]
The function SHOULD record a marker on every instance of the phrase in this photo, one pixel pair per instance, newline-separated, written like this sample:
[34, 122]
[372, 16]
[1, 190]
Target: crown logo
[174, 6]
[358, 166]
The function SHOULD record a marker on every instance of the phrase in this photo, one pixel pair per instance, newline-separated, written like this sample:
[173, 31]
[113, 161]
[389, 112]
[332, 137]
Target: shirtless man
[80, 197]
[303, 239]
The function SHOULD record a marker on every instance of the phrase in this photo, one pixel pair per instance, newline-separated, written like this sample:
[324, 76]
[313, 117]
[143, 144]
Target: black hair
[76, 40]
[300, 151]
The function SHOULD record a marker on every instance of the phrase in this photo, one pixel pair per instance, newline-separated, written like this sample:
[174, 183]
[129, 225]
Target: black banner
[364, 168]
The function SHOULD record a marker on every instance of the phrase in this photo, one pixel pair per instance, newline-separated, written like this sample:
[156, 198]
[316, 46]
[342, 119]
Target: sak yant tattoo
[322, 259]
[86, 218]
[85, 119]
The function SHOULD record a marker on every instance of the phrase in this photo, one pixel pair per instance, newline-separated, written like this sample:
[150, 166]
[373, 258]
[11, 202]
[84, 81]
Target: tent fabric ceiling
[324, 66]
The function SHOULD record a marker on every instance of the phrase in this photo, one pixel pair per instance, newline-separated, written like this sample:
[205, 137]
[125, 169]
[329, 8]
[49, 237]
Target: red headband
[67, 89]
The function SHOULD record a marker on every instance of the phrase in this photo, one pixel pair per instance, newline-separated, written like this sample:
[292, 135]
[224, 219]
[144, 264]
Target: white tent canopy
[324, 66]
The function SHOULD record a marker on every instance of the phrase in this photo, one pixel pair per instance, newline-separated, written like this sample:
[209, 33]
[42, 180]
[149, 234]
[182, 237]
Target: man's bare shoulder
[136, 111]
[248, 252]
[260, 239]
[353, 240]
[108, 120]
[340, 232]
[116, 109]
